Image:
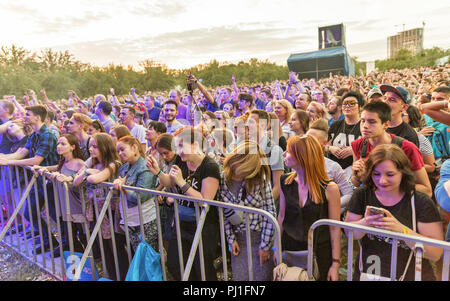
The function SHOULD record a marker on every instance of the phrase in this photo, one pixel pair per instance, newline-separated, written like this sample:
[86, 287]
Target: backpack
[396, 140]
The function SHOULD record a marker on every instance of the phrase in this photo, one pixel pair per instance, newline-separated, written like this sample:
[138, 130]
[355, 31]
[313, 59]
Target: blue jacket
[137, 175]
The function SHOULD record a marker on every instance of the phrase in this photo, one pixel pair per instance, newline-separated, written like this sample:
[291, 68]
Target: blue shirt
[441, 194]
[153, 114]
[43, 143]
[331, 121]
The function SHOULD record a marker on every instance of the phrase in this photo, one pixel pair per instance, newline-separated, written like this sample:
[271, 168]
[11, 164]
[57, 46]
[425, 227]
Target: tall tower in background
[408, 39]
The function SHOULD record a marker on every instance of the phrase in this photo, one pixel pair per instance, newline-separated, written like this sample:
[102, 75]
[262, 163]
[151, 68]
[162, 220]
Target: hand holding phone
[376, 211]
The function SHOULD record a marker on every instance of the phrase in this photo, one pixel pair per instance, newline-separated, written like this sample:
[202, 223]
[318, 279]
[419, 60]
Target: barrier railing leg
[93, 236]
[223, 243]
[178, 232]
[350, 256]
[419, 256]
[195, 243]
[160, 239]
[249, 249]
[446, 265]
[22, 201]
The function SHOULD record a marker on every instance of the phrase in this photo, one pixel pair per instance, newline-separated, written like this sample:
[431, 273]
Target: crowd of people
[370, 150]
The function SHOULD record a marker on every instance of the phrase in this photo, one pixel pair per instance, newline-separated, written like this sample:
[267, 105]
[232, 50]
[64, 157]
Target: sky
[185, 33]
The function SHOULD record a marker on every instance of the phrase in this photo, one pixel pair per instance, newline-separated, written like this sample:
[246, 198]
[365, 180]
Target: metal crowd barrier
[419, 242]
[17, 197]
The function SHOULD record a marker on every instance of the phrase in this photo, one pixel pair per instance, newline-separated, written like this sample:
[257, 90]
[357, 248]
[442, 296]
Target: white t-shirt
[138, 131]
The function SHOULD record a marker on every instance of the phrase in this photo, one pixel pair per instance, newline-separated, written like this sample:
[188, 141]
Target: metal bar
[201, 254]
[13, 201]
[93, 236]
[125, 217]
[114, 245]
[22, 201]
[100, 236]
[38, 213]
[160, 239]
[68, 218]
[310, 252]
[141, 219]
[195, 243]
[8, 211]
[178, 232]
[419, 248]
[31, 217]
[446, 265]
[49, 230]
[394, 259]
[223, 243]
[25, 174]
[58, 225]
[87, 232]
[249, 248]
[350, 256]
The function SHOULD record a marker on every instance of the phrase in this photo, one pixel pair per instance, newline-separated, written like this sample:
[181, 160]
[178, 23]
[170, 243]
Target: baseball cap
[400, 91]
[373, 91]
[86, 103]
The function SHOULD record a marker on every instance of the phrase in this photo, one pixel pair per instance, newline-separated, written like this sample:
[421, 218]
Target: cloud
[187, 48]
[159, 9]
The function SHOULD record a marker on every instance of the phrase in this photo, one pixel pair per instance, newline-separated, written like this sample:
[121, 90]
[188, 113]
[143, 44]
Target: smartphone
[375, 211]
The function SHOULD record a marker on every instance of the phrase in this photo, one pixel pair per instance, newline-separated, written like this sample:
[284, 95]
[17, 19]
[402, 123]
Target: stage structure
[332, 56]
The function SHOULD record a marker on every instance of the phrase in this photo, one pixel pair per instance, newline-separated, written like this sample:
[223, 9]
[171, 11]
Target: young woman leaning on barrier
[134, 173]
[195, 175]
[246, 181]
[307, 195]
[389, 186]
[103, 166]
[71, 161]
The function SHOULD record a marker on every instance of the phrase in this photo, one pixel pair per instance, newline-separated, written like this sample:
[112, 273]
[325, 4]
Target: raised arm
[204, 91]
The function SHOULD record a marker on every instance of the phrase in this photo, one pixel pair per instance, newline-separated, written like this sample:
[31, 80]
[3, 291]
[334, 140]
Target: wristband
[185, 188]
[406, 230]
[336, 260]
[159, 173]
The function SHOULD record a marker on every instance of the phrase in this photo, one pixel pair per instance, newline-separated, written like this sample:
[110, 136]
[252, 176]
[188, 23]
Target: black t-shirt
[377, 248]
[404, 130]
[341, 135]
[298, 220]
[282, 142]
[208, 168]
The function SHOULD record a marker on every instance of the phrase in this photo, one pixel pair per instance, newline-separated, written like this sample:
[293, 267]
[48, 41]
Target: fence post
[94, 235]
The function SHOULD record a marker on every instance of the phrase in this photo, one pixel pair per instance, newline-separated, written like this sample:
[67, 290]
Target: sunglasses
[349, 104]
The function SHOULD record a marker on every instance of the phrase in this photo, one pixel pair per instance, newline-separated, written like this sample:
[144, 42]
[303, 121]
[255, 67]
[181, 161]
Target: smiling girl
[389, 186]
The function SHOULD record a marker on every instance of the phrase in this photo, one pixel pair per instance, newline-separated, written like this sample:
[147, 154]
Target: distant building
[409, 39]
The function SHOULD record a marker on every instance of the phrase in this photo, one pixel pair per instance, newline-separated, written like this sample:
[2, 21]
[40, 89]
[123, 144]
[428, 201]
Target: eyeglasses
[349, 104]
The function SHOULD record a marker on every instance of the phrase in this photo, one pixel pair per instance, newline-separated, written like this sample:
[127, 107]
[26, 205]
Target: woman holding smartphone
[389, 187]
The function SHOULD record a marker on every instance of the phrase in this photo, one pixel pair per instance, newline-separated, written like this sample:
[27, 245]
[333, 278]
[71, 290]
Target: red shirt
[410, 149]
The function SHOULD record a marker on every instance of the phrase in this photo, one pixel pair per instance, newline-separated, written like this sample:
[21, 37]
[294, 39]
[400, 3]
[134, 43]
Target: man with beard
[170, 111]
[334, 108]
[127, 115]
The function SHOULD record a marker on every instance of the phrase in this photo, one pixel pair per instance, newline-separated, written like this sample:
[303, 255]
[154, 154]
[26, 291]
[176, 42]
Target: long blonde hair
[308, 153]
[249, 162]
[287, 105]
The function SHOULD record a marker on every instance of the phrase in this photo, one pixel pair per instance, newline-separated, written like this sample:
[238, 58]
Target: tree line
[58, 72]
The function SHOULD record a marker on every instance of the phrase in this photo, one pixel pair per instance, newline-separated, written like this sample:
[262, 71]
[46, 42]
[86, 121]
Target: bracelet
[185, 188]
[337, 260]
[406, 230]
[159, 173]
